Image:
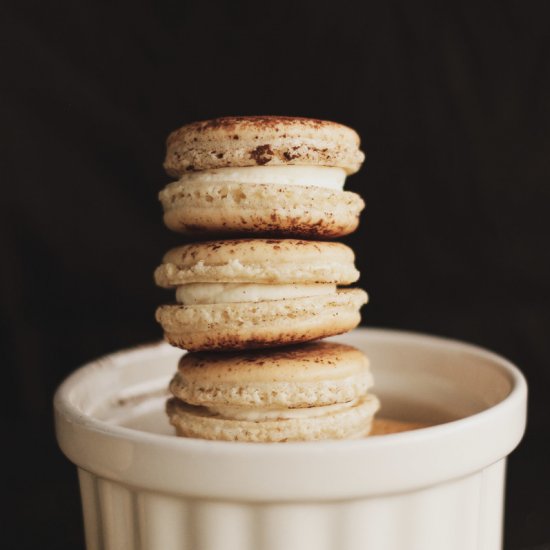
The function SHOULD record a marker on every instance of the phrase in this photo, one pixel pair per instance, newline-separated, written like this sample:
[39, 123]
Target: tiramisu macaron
[281, 176]
[254, 293]
[309, 392]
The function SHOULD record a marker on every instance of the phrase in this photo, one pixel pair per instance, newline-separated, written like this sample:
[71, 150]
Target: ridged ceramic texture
[463, 514]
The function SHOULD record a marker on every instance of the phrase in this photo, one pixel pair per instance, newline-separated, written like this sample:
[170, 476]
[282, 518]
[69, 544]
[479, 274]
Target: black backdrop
[452, 104]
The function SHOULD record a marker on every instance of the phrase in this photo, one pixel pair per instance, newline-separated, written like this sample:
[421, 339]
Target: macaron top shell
[312, 374]
[259, 141]
[258, 261]
[311, 362]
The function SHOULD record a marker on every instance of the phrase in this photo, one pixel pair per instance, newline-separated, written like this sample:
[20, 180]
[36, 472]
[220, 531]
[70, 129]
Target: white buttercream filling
[223, 293]
[261, 414]
[319, 176]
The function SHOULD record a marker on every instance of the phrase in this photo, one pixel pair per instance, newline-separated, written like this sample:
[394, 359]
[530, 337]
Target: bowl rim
[510, 409]
[121, 357]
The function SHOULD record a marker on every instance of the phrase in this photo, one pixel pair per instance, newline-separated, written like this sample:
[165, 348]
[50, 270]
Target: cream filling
[319, 176]
[223, 293]
[262, 414]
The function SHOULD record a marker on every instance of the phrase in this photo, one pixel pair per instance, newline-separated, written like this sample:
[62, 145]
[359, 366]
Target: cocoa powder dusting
[262, 154]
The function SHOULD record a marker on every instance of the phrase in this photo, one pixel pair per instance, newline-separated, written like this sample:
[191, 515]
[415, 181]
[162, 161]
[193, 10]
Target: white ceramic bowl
[435, 488]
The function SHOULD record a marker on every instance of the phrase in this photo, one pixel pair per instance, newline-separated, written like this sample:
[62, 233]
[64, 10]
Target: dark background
[451, 101]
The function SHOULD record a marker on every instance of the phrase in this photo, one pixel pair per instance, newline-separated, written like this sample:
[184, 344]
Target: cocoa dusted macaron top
[265, 261]
[312, 374]
[262, 141]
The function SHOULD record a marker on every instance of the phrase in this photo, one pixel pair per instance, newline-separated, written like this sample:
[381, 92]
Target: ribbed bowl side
[461, 514]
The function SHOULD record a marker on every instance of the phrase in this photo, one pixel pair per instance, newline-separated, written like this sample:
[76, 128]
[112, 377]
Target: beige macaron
[254, 293]
[268, 175]
[313, 391]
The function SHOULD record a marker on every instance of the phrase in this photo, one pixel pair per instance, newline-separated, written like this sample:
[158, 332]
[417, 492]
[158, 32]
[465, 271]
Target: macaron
[308, 392]
[273, 175]
[254, 293]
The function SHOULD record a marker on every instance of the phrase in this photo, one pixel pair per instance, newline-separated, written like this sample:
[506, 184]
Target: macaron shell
[283, 210]
[312, 362]
[259, 141]
[354, 422]
[270, 261]
[247, 325]
[253, 251]
[311, 374]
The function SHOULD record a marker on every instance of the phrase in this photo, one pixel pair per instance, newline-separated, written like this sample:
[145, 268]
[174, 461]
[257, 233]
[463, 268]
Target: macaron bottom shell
[300, 211]
[249, 325]
[349, 423]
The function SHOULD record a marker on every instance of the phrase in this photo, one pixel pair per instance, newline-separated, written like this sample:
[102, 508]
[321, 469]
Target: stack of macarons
[258, 196]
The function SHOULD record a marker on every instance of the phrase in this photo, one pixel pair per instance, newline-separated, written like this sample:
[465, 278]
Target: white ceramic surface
[435, 488]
